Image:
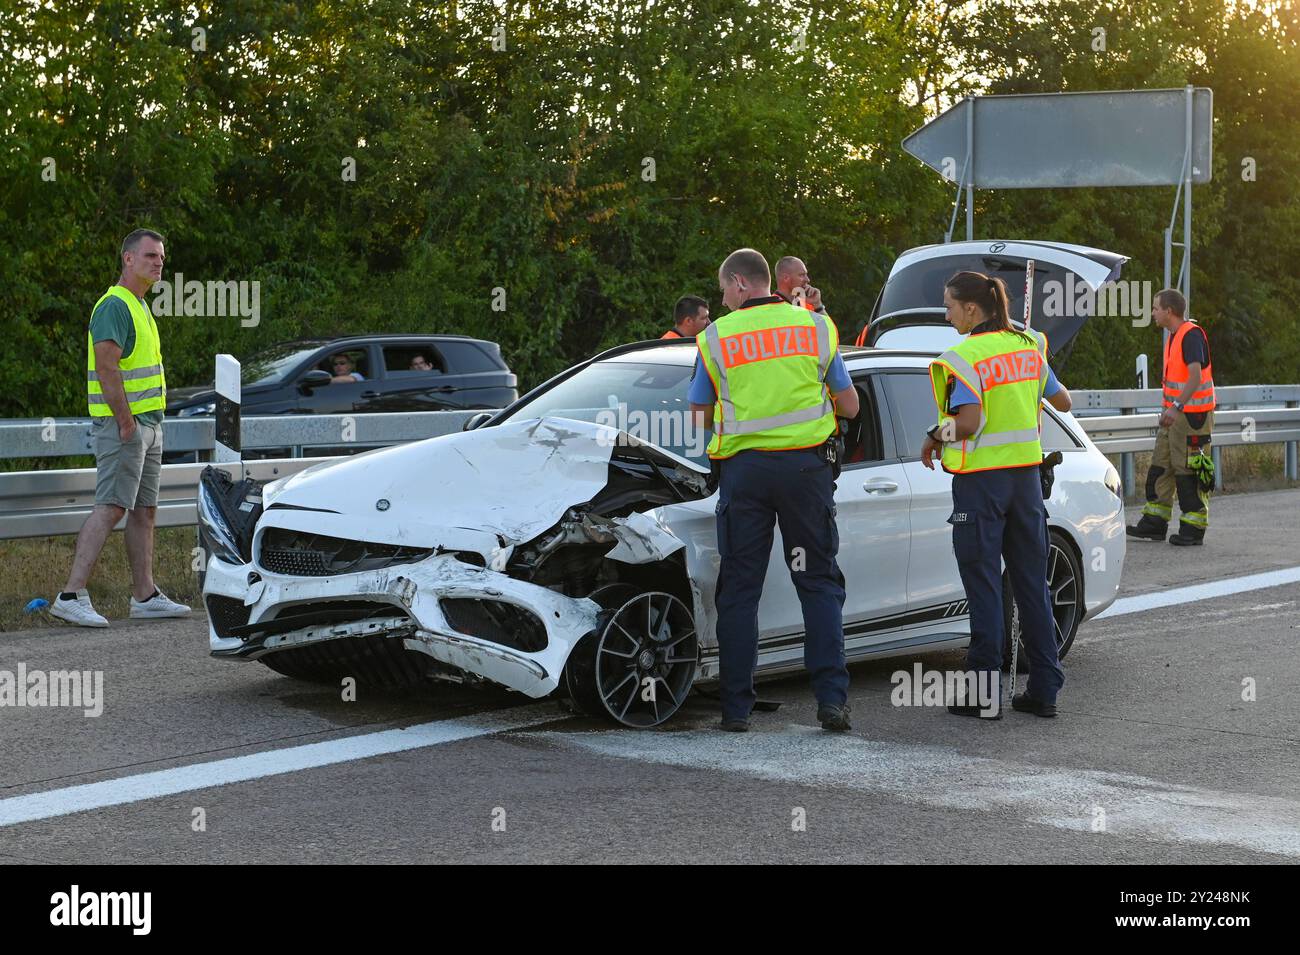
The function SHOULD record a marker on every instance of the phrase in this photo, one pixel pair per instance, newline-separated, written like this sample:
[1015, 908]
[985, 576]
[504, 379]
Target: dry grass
[1246, 467]
[38, 567]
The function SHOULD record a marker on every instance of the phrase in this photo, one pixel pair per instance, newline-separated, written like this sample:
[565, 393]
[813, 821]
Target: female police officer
[988, 389]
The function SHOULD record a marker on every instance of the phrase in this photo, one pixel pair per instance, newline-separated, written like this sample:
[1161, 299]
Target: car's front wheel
[638, 665]
[1065, 593]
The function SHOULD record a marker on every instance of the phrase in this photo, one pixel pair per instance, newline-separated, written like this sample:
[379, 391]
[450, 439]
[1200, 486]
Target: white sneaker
[79, 611]
[159, 605]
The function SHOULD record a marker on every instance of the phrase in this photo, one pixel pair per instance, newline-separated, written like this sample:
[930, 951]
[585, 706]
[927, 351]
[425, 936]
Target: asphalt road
[1156, 757]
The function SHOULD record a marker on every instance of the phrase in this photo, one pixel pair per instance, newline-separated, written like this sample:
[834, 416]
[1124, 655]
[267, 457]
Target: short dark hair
[750, 264]
[1173, 300]
[687, 307]
[131, 241]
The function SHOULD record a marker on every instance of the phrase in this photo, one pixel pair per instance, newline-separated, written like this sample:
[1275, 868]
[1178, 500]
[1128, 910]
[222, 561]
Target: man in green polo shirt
[126, 392]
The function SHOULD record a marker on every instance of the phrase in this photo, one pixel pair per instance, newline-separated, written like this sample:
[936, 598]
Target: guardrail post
[229, 445]
[1216, 453]
[1292, 470]
[1126, 465]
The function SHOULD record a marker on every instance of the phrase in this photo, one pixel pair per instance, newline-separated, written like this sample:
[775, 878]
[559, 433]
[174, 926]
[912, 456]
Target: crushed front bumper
[255, 613]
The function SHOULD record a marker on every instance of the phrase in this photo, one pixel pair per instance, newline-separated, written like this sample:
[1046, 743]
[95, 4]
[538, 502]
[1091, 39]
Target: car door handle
[445, 388]
[369, 394]
[880, 486]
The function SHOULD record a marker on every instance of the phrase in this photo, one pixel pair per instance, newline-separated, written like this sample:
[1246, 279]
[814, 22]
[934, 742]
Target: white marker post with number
[228, 447]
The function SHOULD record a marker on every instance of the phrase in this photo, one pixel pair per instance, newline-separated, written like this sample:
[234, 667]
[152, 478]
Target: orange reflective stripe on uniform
[1009, 368]
[762, 344]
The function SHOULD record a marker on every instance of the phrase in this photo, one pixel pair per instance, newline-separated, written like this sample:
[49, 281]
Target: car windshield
[646, 399]
[269, 366]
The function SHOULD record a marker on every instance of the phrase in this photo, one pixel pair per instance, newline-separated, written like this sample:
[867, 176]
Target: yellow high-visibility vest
[768, 364]
[142, 370]
[1008, 376]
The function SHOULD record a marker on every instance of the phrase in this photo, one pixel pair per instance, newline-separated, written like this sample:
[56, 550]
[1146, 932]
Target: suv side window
[465, 358]
[413, 359]
[359, 357]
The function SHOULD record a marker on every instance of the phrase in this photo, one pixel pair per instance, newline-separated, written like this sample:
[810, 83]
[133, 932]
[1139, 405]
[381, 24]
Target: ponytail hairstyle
[989, 295]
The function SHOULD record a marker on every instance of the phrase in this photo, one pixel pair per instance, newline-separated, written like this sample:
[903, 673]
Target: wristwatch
[933, 433]
[1177, 404]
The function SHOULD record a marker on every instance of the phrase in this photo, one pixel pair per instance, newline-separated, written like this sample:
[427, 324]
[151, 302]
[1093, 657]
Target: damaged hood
[476, 490]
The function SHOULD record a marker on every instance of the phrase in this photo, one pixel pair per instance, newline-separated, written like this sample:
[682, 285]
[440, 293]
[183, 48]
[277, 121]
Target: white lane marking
[1135, 806]
[221, 772]
[1216, 588]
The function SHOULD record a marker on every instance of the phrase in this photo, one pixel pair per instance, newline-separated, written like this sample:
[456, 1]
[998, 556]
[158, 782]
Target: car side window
[862, 438]
[1054, 436]
[911, 403]
[414, 359]
[466, 358]
[347, 361]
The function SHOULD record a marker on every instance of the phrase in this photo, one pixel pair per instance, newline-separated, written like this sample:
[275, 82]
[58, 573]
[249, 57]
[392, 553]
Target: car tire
[1065, 587]
[638, 666]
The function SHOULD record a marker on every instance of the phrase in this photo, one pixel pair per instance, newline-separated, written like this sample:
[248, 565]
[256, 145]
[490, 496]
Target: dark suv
[396, 372]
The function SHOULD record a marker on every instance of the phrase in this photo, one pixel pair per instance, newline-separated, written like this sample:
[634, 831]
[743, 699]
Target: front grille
[496, 622]
[299, 554]
[226, 612]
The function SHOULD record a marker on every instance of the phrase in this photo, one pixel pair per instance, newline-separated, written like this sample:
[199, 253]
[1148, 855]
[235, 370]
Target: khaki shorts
[127, 473]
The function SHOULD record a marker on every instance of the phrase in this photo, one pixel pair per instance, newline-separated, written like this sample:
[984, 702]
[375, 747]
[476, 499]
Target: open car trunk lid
[909, 311]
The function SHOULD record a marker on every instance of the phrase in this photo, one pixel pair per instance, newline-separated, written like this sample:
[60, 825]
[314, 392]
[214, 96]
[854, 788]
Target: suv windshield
[269, 366]
[646, 399]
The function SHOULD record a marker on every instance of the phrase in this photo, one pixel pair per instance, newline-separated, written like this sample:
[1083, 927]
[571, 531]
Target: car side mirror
[477, 421]
[315, 378]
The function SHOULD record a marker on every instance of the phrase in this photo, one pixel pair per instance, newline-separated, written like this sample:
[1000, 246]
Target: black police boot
[735, 726]
[834, 718]
[1149, 528]
[1024, 703]
[1188, 535]
[974, 710]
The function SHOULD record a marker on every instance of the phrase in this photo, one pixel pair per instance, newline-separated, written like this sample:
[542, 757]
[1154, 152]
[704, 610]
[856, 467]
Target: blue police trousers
[795, 490]
[999, 515]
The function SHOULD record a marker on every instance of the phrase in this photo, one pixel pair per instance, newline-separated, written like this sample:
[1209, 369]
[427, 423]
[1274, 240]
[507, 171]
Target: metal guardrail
[1245, 414]
[47, 503]
[58, 437]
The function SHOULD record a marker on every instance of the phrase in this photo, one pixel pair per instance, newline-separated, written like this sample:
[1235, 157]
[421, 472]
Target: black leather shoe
[735, 726]
[972, 710]
[1185, 540]
[1025, 703]
[834, 718]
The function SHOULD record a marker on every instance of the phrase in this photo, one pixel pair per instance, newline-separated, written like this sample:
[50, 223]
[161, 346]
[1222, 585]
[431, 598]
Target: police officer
[769, 383]
[988, 390]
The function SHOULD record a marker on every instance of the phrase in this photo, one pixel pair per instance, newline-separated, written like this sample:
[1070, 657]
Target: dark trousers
[999, 515]
[795, 490]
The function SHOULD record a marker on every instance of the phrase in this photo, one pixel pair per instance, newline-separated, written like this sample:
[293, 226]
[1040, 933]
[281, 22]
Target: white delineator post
[227, 447]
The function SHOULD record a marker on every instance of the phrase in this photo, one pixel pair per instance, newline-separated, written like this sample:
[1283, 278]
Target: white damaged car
[566, 544]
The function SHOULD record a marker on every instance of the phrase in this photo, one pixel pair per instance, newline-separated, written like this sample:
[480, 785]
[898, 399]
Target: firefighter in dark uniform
[769, 383]
[988, 389]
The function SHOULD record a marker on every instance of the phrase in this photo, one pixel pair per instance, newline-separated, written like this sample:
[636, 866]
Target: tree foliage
[593, 159]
